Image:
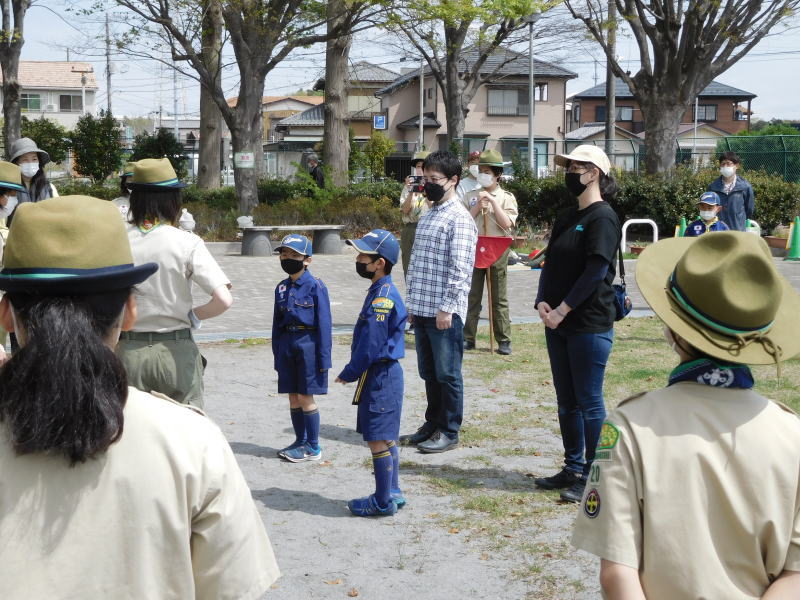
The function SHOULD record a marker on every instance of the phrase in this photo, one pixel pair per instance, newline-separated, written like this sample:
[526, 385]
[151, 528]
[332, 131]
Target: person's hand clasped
[552, 317]
[444, 320]
[409, 181]
[485, 200]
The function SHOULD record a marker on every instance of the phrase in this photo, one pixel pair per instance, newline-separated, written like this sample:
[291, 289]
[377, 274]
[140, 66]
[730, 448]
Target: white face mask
[707, 215]
[727, 171]
[473, 170]
[29, 169]
[11, 204]
[485, 179]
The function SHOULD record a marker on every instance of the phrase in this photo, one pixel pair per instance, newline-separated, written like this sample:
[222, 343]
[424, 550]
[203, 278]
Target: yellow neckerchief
[711, 222]
[149, 226]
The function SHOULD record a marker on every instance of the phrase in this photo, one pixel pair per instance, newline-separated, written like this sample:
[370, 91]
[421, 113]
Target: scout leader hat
[419, 157]
[380, 242]
[710, 198]
[127, 170]
[69, 245]
[491, 158]
[722, 293]
[298, 243]
[25, 145]
[10, 177]
[153, 174]
[586, 153]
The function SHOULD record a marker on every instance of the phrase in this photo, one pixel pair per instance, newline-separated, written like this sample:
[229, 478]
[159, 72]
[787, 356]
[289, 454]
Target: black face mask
[292, 265]
[574, 185]
[434, 192]
[361, 269]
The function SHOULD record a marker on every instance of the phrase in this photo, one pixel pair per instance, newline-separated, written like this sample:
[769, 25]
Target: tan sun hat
[722, 293]
[491, 158]
[10, 177]
[586, 153]
[153, 174]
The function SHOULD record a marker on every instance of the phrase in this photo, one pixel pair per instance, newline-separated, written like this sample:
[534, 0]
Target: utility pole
[175, 100]
[83, 73]
[531, 19]
[611, 91]
[421, 141]
[108, 67]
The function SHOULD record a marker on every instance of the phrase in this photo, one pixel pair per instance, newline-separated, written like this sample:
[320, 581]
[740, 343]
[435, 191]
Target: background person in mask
[470, 179]
[735, 192]
[576, 303]
[10, 186]
[31, 161]
[500, 208]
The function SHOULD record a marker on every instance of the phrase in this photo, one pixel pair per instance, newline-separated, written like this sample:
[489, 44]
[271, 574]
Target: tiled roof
[428, 120]
[715, 89]
[55, 74]
[314, 116]
[516, 65]
[313, 100]
[365, 71]
[587, 130]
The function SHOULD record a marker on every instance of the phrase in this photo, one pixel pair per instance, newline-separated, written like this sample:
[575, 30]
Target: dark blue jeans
[439, 354]
[578, 363]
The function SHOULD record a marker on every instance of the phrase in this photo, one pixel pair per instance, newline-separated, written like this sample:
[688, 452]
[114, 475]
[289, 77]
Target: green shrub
[104, 191]
[213, 224]
[222, 198]
[272, 191]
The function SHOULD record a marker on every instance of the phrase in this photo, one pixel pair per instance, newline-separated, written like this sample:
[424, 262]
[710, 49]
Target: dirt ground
[433, 548]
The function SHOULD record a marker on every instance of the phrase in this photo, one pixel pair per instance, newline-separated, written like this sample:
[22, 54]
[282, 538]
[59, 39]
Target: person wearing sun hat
[123, 201]
[695, 489]
[495, 212]
[105, 487]
[10, 186]
[413, 205]
[31, 160]
[159, 352]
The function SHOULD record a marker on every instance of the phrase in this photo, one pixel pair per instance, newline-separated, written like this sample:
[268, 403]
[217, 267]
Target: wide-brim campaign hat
[298, 243]
[378, 241]
[154, 174]
[586, 153]
[722, 294]
[25, 145]
[491, 158]
[127, 170]
[10, 176]
[69, 245]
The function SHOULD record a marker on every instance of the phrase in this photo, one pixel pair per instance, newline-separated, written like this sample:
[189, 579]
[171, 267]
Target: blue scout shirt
[303, 304]
[378, 334]
[699, 228]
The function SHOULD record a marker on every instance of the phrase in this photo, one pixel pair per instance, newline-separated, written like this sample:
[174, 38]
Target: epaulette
[629, 398]
[168, 399]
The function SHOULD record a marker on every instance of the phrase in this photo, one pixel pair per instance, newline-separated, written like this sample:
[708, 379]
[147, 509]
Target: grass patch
[249, 342]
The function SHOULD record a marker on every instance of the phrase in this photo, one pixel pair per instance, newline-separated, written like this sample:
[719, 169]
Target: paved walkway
[255, 277]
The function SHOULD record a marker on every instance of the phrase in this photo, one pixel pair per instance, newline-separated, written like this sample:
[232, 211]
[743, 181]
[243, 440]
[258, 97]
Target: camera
[417, 184]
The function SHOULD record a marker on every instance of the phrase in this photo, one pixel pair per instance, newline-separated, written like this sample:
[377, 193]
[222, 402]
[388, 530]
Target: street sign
[244, 160]
[379, 121]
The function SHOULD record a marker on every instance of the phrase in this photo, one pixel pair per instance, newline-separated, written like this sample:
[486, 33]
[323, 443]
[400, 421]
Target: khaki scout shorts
[172, 367]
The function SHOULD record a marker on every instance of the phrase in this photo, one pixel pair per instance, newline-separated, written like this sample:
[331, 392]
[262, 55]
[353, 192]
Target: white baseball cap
[586, 153]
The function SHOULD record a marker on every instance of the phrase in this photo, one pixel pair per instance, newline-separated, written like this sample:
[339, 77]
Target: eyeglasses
[434, 179]
[577, 169]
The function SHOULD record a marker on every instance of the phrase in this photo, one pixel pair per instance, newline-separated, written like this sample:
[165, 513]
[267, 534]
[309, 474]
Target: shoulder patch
[629, 398]
[383, 302]
[592, 504]
[609, 436]
[168, 399]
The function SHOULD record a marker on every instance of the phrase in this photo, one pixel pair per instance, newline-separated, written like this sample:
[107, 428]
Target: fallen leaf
[547, 382]
[537, 453]
[494, 390]
[325, 463]
[507, 535]
[336, 581]
[352, 592]
[484, 556]
[231, 422]
[516, 514]
[432, 515]
[548, 555]
[453, 530]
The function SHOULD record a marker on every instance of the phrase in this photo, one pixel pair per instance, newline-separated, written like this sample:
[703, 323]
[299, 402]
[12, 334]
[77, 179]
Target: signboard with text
[244, 160]
[379, 121]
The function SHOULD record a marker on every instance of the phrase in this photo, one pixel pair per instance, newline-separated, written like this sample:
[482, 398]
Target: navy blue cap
[298, 243]
[710, 198]
[378, 241]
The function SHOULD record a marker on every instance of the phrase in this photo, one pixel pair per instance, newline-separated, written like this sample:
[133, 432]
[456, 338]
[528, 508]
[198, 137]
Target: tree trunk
[336, 140]
[13, 12]
[453, 105]
[661, 118]
[245, 139]
[208, 176]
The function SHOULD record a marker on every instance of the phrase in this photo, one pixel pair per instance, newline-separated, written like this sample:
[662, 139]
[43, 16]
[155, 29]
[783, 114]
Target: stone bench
[256, 240]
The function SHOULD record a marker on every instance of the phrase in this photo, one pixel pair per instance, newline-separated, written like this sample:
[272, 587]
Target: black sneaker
[563, 479]
[504, 348]
[469, 345]
[575, 492]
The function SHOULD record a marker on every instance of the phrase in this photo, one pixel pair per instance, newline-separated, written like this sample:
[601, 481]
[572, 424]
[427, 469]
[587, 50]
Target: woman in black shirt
[576, 303]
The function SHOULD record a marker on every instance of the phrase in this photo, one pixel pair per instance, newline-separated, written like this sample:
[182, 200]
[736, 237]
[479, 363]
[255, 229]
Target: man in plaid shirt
[438, 282]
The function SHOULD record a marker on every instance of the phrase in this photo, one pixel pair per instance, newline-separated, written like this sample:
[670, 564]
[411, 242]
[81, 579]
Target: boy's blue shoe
[292, 446]
[368, 507]
[303, 453]
[399, 498]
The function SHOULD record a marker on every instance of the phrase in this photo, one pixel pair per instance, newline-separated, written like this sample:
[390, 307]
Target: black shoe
[469, 345]
[575, 492]
[422, 434]
[563, 479]
[504, 348]
[439, 442]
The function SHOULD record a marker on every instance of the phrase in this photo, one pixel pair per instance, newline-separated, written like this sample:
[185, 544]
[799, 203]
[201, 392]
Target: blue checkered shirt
[440, 273]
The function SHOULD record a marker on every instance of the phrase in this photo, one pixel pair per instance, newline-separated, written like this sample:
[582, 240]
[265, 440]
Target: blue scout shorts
[380, 401]
[297, 365]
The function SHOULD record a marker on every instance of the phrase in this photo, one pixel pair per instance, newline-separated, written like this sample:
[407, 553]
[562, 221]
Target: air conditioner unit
[51, 108]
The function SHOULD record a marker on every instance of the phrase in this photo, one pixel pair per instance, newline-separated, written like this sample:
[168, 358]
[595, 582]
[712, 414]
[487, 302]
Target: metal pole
[108, 67]
[531, 99]
[83, 94]
[175, 100]
[421, 141]
[694, 139]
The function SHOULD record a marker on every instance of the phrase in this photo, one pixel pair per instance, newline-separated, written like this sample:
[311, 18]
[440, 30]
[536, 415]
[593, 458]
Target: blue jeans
[439, 354]
[578, 363]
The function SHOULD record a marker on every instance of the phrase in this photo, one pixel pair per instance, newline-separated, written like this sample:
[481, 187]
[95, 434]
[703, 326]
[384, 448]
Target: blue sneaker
[368, 507]
[303, 453]
[399, 498]
[292, 446]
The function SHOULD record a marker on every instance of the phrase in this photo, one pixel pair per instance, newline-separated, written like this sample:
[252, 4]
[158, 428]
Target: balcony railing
[508, 111]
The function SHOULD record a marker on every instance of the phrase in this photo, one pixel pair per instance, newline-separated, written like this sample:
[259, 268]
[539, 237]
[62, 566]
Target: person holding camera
[413, 205]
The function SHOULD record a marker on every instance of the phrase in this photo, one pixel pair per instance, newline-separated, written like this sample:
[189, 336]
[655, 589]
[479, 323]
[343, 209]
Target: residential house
[498, 114]
[625, 153]
[276, 108]
[724, 107]
[56, 90]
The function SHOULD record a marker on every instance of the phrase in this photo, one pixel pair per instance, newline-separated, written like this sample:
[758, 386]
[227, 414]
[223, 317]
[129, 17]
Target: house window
[739, 113]
[30, 102]
[707, 112]
[541, 92]
[600, 113]
[624, 113]
[576, 113]
[504, 102]
[70, 103]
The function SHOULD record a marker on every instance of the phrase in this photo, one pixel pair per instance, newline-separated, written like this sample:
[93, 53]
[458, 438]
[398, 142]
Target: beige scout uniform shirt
[165, 513]
[698, 488]
[505, 199]
[165, 298]
[418, 208]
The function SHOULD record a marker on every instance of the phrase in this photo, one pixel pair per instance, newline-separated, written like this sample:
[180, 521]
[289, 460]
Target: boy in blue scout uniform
[377, 345]
[709, 205]
[301, 344]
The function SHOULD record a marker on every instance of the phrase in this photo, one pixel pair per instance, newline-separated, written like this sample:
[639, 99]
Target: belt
[294, 328]
[150, 336]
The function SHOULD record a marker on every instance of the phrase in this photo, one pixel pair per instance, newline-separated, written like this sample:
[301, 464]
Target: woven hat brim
[44, 157]
[80, 284]
[152, 187]
[652, 270]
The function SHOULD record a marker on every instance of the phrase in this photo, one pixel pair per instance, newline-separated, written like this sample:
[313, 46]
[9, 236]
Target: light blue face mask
[11, 204]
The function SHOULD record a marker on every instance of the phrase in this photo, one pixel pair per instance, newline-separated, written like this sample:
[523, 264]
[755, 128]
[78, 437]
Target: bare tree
[336, 139]
[683, 46]
[10, 47]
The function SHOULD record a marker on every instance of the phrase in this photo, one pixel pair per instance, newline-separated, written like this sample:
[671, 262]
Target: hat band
[680, 297]
[168, 182]
[13, 186]
[55, 273]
